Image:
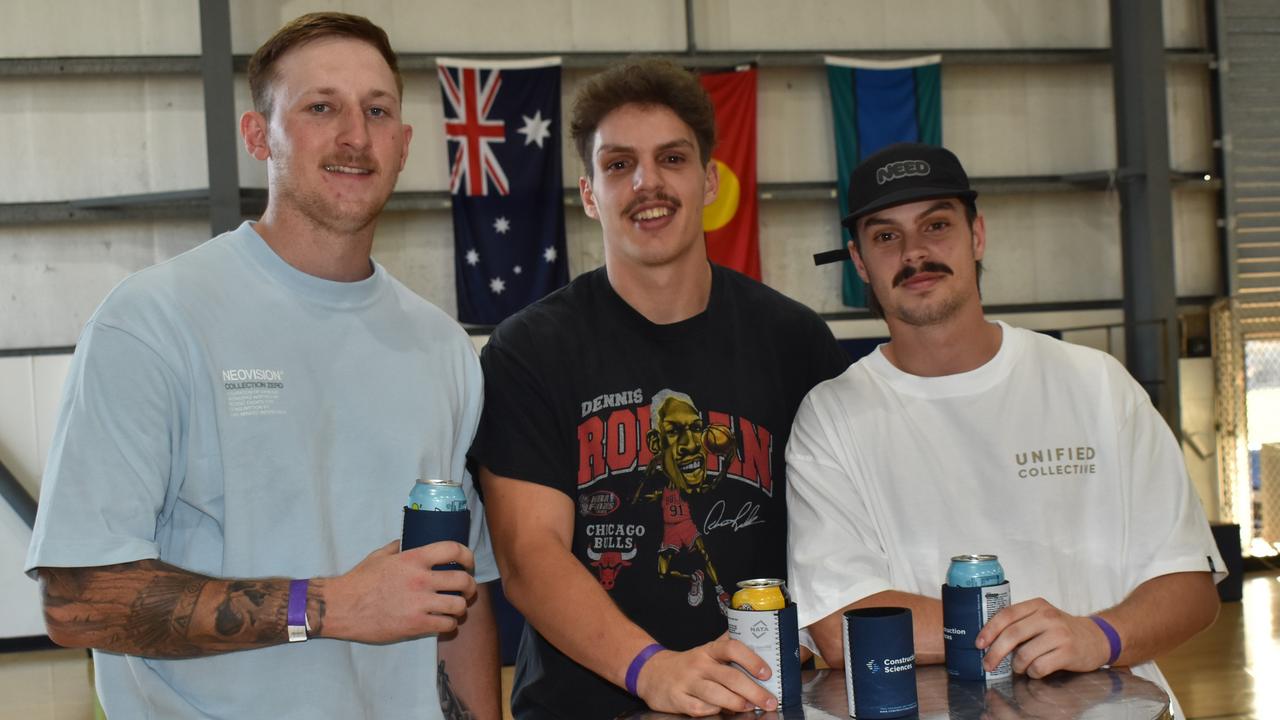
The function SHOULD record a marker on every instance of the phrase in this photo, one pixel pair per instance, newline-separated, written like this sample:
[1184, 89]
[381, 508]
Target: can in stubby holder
[436, 511]
[772, 631]
[974, 592]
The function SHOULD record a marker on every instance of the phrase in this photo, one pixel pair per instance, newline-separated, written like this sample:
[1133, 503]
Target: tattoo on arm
[153, 609]
[450, 704]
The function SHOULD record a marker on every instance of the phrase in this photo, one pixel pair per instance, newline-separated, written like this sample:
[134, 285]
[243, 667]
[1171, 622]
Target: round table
[1095, 695]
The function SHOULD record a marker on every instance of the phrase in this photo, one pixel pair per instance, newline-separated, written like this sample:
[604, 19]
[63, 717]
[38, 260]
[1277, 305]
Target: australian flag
[502, 127]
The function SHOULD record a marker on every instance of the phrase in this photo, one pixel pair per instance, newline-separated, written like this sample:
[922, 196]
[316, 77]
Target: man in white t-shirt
[962, 435]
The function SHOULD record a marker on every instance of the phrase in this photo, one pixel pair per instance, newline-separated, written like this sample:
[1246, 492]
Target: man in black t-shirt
[631, 445]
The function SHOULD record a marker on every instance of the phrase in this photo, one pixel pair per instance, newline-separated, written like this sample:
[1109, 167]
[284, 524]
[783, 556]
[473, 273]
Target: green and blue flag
[876, 103]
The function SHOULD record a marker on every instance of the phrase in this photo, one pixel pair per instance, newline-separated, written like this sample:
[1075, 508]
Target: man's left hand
[1043, 640]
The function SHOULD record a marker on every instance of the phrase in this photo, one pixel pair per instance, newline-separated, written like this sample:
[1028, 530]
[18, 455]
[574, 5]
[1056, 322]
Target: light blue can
[974, 571]
[440, 495]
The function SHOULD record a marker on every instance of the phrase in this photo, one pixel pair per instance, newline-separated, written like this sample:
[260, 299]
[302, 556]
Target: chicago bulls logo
[609, 563]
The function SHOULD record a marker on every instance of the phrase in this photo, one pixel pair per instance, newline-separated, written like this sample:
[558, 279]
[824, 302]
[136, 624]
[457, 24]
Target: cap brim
[904, 196]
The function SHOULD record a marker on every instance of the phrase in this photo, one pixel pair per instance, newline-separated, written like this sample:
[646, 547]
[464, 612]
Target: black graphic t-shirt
[669, 439]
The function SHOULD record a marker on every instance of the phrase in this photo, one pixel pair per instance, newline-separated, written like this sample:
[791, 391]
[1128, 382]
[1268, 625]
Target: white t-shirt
[230, 415]
[1049, 455]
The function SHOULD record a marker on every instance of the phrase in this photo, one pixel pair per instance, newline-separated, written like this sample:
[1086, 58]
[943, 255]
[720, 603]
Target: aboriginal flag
[731, 223]
[875, 104]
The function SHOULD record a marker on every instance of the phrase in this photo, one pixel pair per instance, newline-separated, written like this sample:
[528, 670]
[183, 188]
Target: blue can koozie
[423, 527]
[964, 611]
[774, 635]
[436, 511]
[880, 663]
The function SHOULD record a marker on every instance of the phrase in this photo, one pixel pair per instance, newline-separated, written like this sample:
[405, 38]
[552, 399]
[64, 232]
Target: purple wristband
[297, 616]
[1113, 637]
[642, 657]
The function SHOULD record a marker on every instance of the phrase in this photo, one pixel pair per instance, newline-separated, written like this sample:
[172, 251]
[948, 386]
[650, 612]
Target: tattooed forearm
[153, 609]
[161, 613]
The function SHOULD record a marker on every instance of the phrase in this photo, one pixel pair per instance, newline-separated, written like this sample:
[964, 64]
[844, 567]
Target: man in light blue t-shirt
[242, 424]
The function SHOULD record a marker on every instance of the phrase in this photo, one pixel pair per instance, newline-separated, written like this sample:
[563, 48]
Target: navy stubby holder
[964, 611]
[880, 663]
[774, 635]
[423, 527]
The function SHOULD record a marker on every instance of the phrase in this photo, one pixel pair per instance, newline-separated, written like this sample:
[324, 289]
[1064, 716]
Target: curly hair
[647, 81]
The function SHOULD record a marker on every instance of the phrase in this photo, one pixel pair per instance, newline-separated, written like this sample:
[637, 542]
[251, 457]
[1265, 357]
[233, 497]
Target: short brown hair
[304, 29]
[649, 81]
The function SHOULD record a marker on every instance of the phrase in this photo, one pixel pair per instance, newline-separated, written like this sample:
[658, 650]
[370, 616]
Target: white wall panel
[20, 614]
[48, 374]
[939, 24]
[583, 241]
[1075, 241]
[790, 233]
[19, 449]
[458, 26]
[1197, 253]
[1029, 120]
[55, 28]
[101, 136]
[1196, 388]
[902, 24]
[171, 27]
[30, 390]
[1190, 111]
[1184, 24]
[30, 395]
[417, 248]
[52, 277]
[793, 121]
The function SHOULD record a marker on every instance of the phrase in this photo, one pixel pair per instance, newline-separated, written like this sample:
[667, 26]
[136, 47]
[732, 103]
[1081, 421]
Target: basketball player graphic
[681, 444]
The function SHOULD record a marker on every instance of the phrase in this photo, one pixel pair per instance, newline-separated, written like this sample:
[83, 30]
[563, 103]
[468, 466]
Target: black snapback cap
[905, 173]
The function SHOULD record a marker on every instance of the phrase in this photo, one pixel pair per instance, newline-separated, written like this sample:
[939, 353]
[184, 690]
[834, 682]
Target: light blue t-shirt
[231, 415]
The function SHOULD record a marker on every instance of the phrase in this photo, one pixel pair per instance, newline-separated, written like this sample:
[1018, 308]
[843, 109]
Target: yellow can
[760, 594]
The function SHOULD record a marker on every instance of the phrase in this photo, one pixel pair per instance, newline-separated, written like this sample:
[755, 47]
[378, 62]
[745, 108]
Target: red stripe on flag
[736, 244]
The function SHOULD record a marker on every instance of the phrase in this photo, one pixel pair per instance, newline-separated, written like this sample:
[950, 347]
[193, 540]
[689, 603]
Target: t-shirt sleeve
[486, 568]
[834, 554]
[116, 443]
[519, 435]
[1168, 531]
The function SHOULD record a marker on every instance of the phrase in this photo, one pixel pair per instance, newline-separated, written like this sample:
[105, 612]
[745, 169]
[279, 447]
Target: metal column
[1152, 343]
[221, 137]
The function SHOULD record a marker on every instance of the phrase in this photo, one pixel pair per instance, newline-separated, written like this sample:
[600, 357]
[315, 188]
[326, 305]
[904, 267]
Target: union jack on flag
[471, 99]
[502, 137]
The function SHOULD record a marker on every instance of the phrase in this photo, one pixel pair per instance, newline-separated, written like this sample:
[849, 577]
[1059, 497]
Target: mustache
[659, 195]
[909, 271]
[360, 161]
